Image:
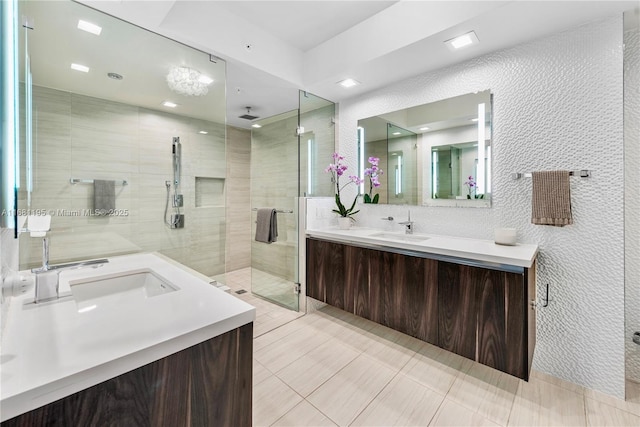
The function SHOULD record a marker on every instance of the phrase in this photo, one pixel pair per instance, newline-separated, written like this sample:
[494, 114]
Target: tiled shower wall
[238, 198]
[632, 196]
[88, 138]
[557, 105]
[274, 183]
[276, 171]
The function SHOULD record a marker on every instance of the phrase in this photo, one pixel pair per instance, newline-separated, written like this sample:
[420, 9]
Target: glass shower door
[288, 155]
[275, 184]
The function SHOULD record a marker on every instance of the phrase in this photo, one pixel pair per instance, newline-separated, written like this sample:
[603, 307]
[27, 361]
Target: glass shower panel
[114, 117]
[402, 166]
[275, 184]
[317, 143]
[289, 153]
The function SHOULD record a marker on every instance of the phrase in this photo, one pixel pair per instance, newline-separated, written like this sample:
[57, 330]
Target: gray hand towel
[551, 198]
[104, 196]
[266, 225]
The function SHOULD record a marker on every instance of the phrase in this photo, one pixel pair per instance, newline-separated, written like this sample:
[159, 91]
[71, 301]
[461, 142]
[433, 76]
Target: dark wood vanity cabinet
[208, 384]
[480, 313]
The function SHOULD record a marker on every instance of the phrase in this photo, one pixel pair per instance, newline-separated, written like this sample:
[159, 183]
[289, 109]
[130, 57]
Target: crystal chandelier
[187, 81]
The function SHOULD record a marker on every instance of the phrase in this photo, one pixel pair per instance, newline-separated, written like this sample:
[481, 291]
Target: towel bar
[583, 173]
[278, 210]
[90, 181]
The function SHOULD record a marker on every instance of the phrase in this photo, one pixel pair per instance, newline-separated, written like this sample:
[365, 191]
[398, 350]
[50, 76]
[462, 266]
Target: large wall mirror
[436, 154]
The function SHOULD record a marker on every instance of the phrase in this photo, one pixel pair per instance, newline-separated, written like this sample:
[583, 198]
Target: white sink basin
[132, 285]
[401, 237]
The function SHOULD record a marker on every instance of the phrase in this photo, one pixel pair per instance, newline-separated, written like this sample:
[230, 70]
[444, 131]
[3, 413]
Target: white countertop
[50, 350]
[520, 255]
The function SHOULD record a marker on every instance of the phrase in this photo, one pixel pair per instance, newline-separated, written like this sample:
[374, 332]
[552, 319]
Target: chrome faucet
[48, 276]
[408, 224]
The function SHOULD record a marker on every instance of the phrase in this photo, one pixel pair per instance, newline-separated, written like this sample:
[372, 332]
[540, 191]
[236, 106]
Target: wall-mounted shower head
[248, 116]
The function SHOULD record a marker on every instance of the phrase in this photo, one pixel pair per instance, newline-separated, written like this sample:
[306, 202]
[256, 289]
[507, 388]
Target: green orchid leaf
[353, 205]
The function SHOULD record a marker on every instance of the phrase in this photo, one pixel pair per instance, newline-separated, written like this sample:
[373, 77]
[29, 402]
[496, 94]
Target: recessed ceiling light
[79, 67]
[396, 133]
[424, 128]
[464, 40]
[348, 83]
[169, 104]
[475, 119]
[203, 132]
[206, 80]
[115, 76]
[256, 125]
[89, 27]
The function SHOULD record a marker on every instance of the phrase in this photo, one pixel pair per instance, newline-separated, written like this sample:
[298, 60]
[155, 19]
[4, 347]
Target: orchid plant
[472, 186]
[337, 169]
[373, 173]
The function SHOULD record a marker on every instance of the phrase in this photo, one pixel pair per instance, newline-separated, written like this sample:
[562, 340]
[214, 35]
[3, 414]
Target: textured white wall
[557, 105]
[632, 197]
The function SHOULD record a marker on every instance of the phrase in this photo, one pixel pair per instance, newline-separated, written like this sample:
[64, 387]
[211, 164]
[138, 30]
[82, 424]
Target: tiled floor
[268, 316]
[274, 288]
[331, 368]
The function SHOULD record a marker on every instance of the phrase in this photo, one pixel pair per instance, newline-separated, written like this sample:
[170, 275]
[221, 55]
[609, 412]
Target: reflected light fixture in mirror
[80, 67]
[361, 158]
[481, 153]
[89, 27]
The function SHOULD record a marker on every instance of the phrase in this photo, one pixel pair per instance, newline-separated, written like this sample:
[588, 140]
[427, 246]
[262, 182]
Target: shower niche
[209, 192]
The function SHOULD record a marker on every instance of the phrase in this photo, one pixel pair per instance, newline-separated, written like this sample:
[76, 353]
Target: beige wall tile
[89, 138]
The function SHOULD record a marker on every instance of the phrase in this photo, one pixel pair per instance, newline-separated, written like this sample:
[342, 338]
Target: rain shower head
[248, 116]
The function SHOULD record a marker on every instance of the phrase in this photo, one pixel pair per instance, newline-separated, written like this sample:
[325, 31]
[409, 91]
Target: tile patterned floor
[331, 368]
[268, 316]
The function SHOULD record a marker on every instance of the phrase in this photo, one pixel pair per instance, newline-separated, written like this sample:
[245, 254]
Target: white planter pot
[344, 222]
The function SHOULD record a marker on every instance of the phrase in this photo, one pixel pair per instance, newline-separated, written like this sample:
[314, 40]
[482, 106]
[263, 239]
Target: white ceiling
[274, 48]
[305, 24]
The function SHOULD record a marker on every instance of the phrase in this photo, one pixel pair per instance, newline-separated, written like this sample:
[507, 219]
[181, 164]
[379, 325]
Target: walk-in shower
[92, 127]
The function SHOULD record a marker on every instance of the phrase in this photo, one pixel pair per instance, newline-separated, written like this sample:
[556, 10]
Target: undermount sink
[126, 286]
[402, 237]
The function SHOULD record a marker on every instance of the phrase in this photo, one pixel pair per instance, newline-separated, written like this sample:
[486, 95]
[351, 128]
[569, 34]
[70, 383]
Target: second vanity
[141, 340]
[469, 296]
